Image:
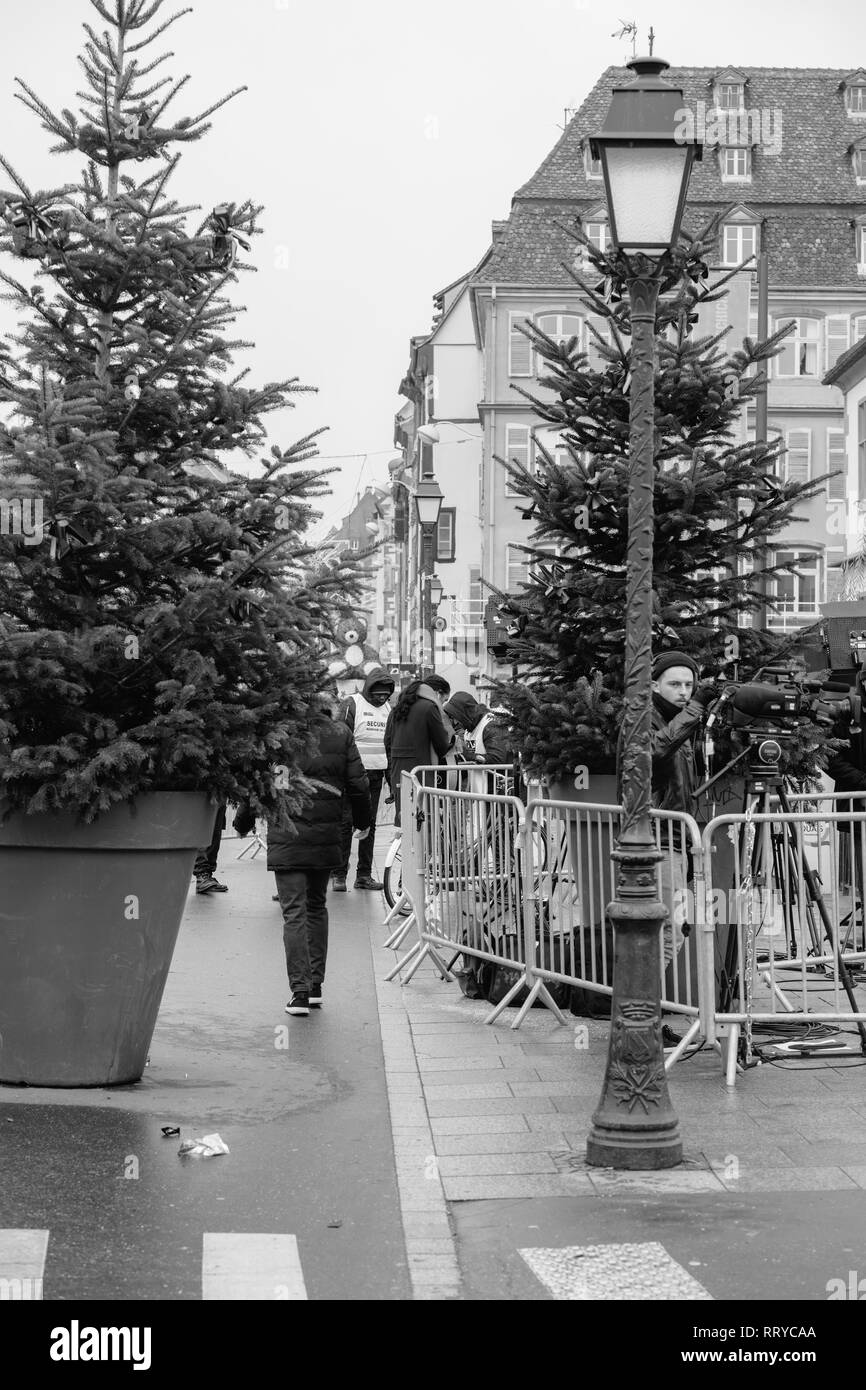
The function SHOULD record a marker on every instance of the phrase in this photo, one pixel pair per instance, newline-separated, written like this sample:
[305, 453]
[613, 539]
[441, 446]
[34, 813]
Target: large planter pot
[89, 916]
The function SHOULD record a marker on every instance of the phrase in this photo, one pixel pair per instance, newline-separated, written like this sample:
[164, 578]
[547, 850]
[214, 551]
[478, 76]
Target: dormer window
[599, 234]
[855, 99]
[592, 166]
[861, 249]
[730, 96]
[739, 242]
[858, 159]
[736, 163]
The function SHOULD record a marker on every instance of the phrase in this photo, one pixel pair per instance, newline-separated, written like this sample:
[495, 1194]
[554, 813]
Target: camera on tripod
[765, 713]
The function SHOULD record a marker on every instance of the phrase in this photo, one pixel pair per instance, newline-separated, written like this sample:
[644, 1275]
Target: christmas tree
[718, 502]
[162, 617]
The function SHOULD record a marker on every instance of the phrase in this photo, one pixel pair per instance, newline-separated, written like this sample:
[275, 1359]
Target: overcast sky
[382, 138]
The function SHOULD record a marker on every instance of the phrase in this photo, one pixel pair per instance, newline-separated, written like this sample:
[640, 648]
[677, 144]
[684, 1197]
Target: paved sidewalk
[483, 1112]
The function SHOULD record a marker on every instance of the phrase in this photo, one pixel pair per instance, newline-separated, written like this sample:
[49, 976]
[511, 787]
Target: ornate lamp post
[646, 174]
[428, 497]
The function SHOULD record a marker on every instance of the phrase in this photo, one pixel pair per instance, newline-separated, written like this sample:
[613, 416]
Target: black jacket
[673, 756]
[314, 841]
[419, 740]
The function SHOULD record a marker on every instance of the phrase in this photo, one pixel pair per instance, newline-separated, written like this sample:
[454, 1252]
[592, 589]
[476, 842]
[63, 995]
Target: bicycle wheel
[392, 877]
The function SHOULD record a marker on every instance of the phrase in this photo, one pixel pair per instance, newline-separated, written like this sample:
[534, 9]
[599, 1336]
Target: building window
[475, 615]
[729, 96]
[855, 99]
[351, 545]
[445, 534]
[598, 233]
[426, 459]
[736, 163]
[796, 460]
[519, 347]
[837, 462]
[518, 449]
[861, 248]
[800, 355]
[562, 328]
[797, 593]
[430, 397]
[837, 327]
[859, 329]
[739, 242]
[861, 449]
[592, 166]
[516, 568]
[860, 165]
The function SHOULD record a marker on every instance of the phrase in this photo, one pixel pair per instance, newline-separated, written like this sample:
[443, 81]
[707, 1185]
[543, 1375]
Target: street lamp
[436, 590]
[646, 167]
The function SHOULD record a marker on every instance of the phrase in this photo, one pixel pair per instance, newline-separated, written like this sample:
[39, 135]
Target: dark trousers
[206, 860]
[303, 897]
[365, 846]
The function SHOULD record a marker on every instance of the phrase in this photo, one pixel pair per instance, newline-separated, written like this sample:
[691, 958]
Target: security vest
[369, 731]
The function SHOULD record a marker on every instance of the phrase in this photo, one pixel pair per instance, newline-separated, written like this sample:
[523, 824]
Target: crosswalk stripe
[240, 1265]
[22, 1263]
[575, 1273]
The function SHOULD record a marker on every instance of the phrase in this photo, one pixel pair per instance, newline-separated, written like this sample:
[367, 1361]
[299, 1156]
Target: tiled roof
[808, 243]
[811, 166]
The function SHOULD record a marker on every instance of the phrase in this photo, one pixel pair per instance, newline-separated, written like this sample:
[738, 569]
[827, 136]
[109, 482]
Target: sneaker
[338, 883]
[315, 996]
[206, 883]
[299, 1004]
[369, 883]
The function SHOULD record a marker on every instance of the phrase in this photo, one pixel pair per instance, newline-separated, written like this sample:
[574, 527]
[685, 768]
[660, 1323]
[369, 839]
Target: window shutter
[798, 444]
[836, 459]
[519, 347]
[518, 449]
[837, 327]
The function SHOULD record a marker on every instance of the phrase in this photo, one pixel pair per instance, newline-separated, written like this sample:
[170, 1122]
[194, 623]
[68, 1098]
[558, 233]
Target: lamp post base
[635, 1125]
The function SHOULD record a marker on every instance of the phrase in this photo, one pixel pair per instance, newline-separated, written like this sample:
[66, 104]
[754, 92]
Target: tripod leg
[818, 899]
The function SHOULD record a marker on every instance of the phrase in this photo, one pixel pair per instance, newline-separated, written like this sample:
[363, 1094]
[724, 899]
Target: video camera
[781, 698]
[763, 714]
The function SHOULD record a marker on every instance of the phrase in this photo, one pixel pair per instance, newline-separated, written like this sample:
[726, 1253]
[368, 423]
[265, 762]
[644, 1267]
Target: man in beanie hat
[679, 706]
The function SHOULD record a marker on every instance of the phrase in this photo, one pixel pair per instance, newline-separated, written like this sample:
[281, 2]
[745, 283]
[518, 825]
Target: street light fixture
[428, 502]
[646, 167]
[436, 590]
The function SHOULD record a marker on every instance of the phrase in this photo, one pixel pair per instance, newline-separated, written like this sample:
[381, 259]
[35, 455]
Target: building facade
[784, 173]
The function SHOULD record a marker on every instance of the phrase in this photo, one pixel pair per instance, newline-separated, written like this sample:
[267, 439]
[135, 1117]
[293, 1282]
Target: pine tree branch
[173, 93]
[195, 120]
[134, 48]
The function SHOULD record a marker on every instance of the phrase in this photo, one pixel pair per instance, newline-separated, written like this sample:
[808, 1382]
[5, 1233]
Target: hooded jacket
[368, 721]
[419, 740]
[314, 840]
[489, 736]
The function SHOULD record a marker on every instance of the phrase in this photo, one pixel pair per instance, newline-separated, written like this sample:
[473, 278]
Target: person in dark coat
[302, 857]
[417, 735]
[678, 711]
[486, 734]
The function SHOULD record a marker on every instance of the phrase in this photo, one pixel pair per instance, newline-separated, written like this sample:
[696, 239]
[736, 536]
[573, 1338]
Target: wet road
[301, 1104]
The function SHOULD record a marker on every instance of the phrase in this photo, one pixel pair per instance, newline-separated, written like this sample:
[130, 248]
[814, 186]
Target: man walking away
[366, 715]
[303, 855]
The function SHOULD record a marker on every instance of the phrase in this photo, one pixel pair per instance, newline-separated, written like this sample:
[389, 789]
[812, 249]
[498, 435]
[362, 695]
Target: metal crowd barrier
[525, 888]
[772, 903]
[786, 906]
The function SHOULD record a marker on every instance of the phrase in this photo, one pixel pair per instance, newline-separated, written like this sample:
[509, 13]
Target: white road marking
[22, 1264]
[244, 1266]
[576, 1273]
